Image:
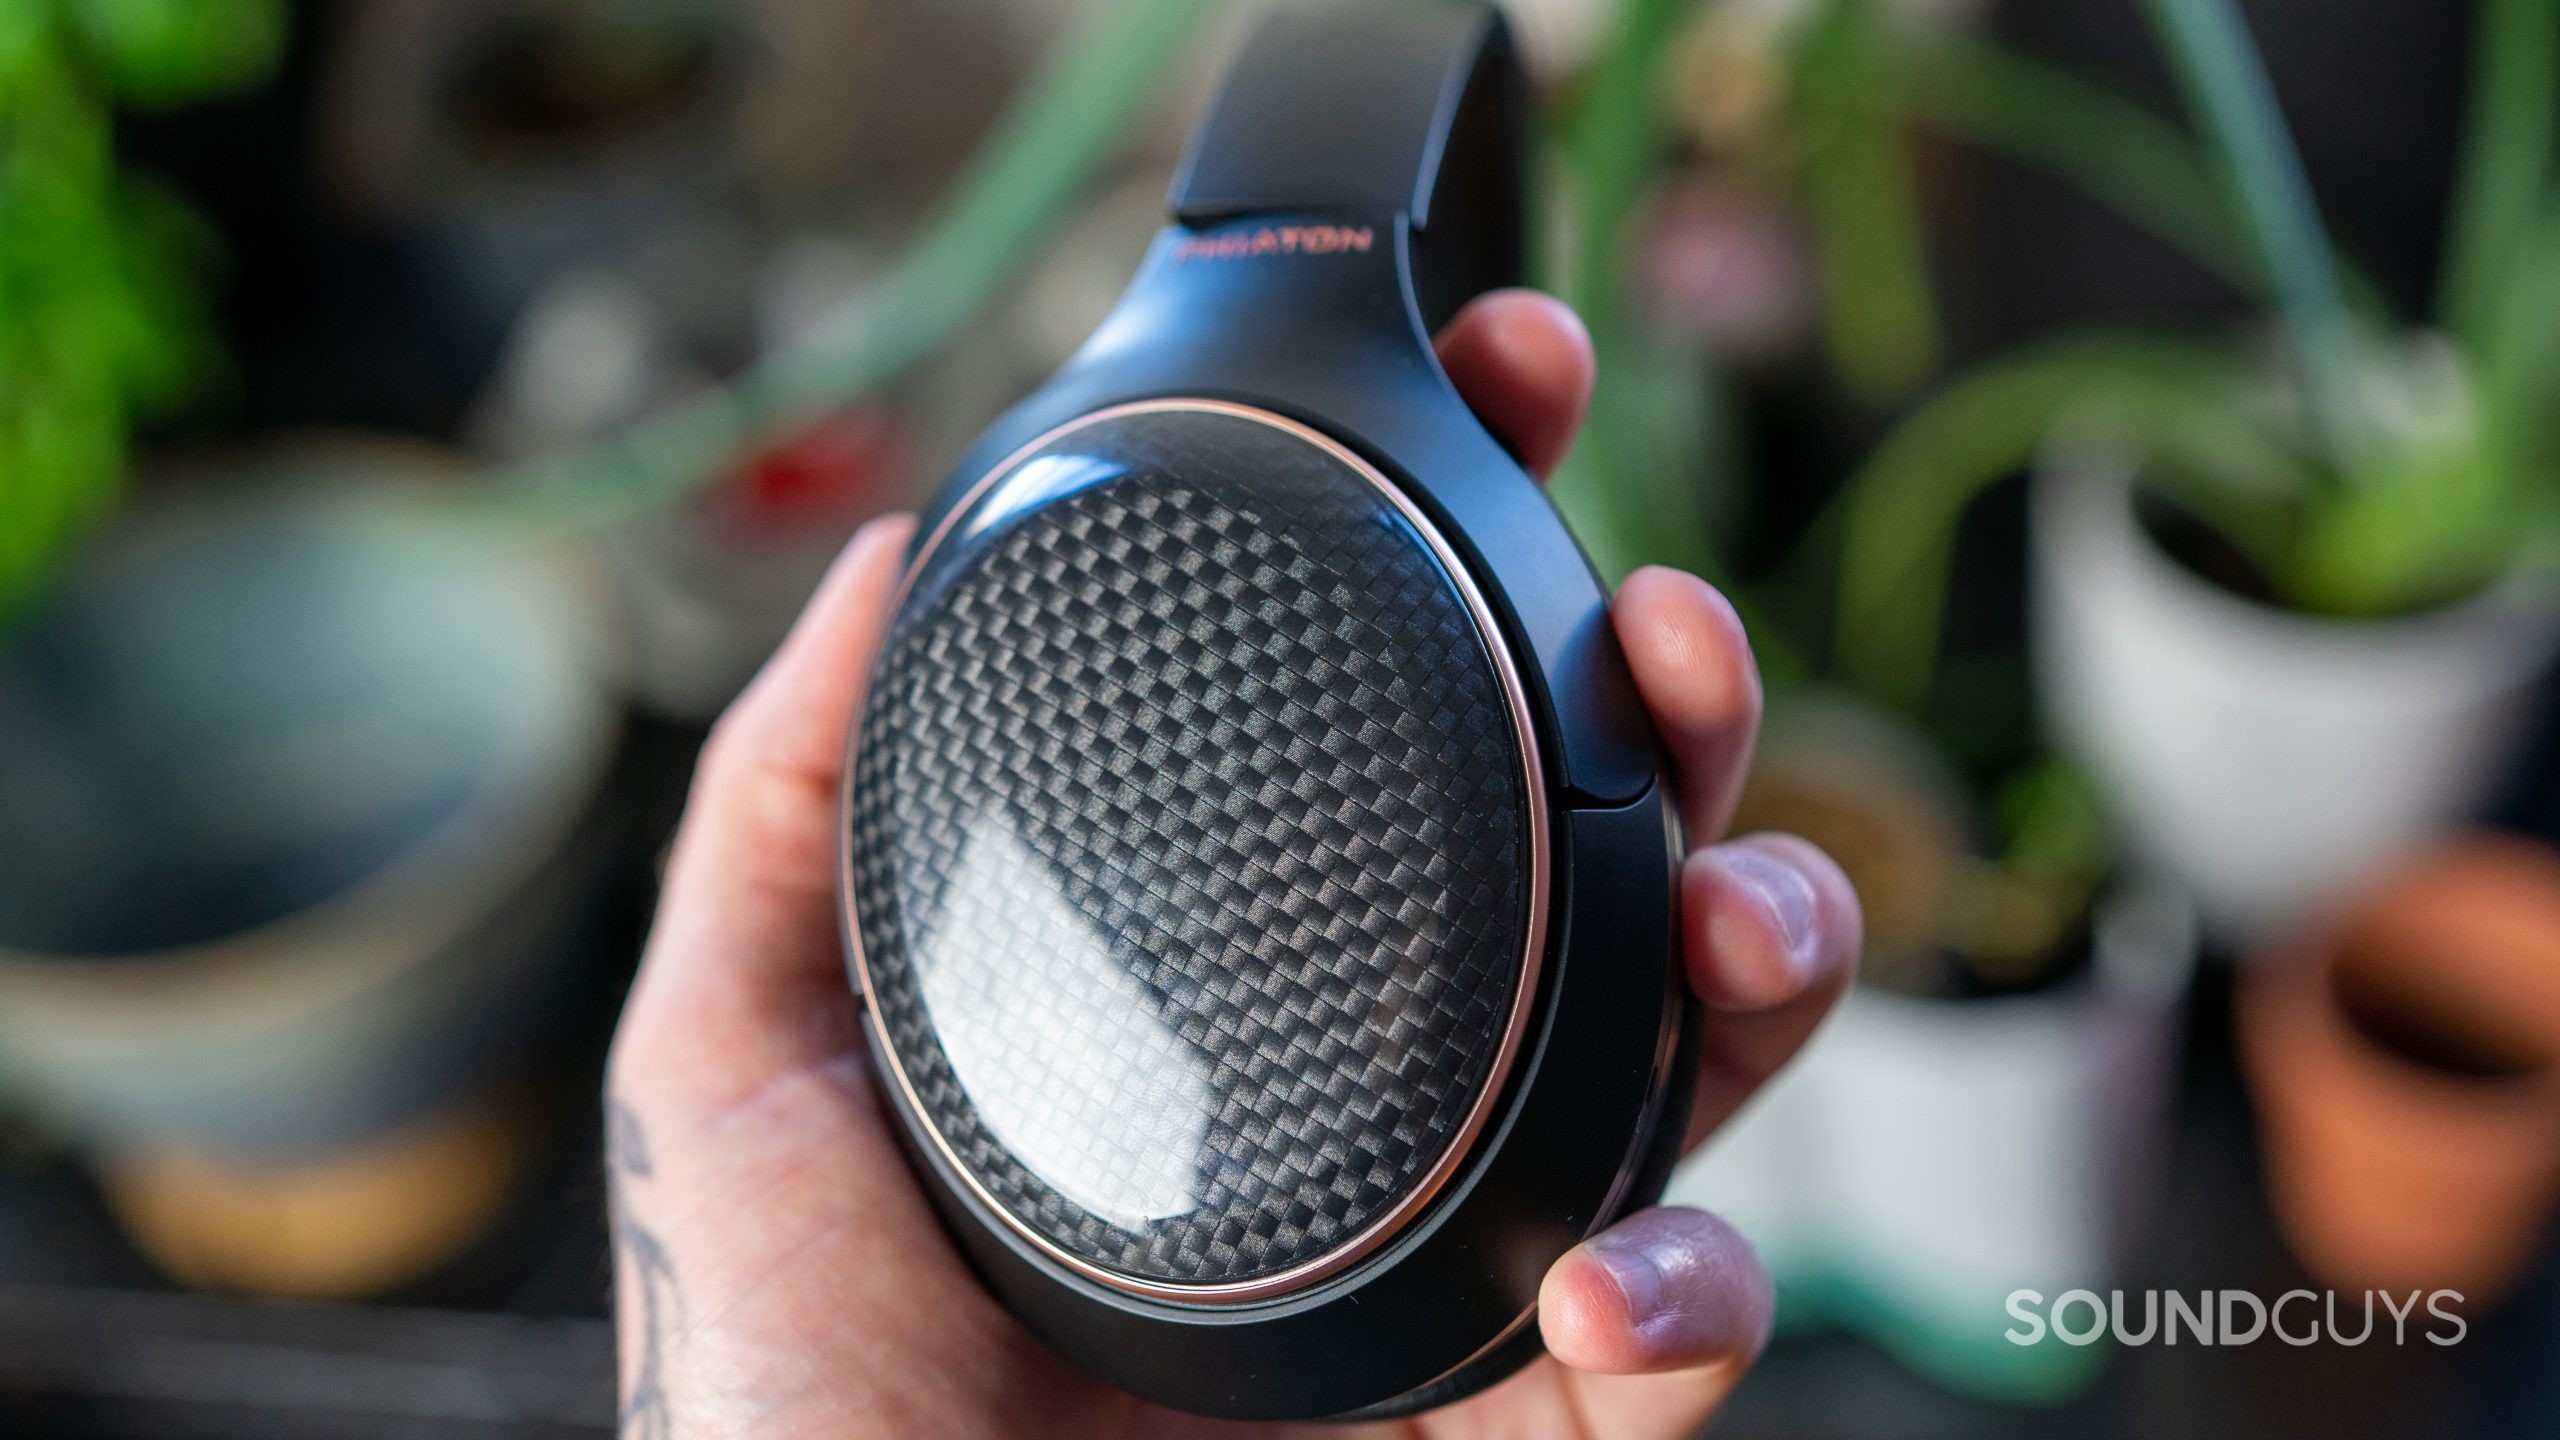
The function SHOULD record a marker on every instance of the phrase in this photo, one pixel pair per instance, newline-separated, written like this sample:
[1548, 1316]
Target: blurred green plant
[1865, 77]
[1634, 485]
[1053, 140]
[1831, 141]
[104, 315]
[1860, 80]
[1863, 196]
[2357, 467]
[1823, 103]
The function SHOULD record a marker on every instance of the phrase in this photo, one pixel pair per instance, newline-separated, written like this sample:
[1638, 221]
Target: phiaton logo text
[1276, 240]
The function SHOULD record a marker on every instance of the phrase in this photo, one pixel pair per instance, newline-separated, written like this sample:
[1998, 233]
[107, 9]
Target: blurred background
[2130, 427]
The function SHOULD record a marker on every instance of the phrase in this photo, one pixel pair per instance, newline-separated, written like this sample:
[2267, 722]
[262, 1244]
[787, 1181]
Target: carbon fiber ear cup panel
[1192, 850]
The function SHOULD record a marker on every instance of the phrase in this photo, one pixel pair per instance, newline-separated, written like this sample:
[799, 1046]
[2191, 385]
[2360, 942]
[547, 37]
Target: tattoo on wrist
[641, 1267]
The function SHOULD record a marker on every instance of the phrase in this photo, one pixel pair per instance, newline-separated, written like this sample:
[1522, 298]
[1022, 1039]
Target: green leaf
[2427, 531]
[2432, 518]
[1881, 321]
[103, 315]
[2115, 149]
[2502, 189]
[2148, 395]
[160, 53]
[2516, 364]
[2227, 88]
[26, 40]
[1633, 487]
[2054, 823]
[1614, 144]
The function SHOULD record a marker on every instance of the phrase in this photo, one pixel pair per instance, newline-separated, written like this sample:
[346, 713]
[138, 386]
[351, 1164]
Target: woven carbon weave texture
[1188, 848]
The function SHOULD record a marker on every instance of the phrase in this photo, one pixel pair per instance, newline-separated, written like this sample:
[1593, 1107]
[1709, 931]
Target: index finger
[742, 977]
[1693, 665]
[1522, 361]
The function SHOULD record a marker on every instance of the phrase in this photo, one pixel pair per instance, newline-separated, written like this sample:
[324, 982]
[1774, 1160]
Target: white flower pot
[1924, 1158]
[2264, 758]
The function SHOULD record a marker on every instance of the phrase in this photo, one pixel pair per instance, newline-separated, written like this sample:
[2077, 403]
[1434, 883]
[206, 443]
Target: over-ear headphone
[1256, 862]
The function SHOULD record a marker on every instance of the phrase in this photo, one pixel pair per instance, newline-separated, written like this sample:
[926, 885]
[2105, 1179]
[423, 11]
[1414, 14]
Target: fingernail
[874, 531]
[1691, 1287]
[1782, 890]
[1628, 1255]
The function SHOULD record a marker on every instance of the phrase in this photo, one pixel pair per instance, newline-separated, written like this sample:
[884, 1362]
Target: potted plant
[301, 828]
[300, 844]
[1990, 1094]
[2290, 600]
[2404, 1056]
[1743, 209]
[1985, 1110]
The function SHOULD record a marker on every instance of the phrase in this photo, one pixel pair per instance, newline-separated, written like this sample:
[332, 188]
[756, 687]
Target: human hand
[779, 1273]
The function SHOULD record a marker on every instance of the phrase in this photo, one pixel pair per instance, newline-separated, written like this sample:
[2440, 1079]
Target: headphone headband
[1375, 112]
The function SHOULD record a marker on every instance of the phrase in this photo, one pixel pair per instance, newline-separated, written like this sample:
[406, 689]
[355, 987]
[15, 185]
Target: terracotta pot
[2405, 1060]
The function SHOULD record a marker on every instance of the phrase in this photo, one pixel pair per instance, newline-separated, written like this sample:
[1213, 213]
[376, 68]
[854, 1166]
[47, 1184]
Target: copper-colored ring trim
[1533, 777]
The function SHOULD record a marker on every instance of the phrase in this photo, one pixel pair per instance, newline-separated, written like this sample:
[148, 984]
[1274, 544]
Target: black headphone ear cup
[1197, 852]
